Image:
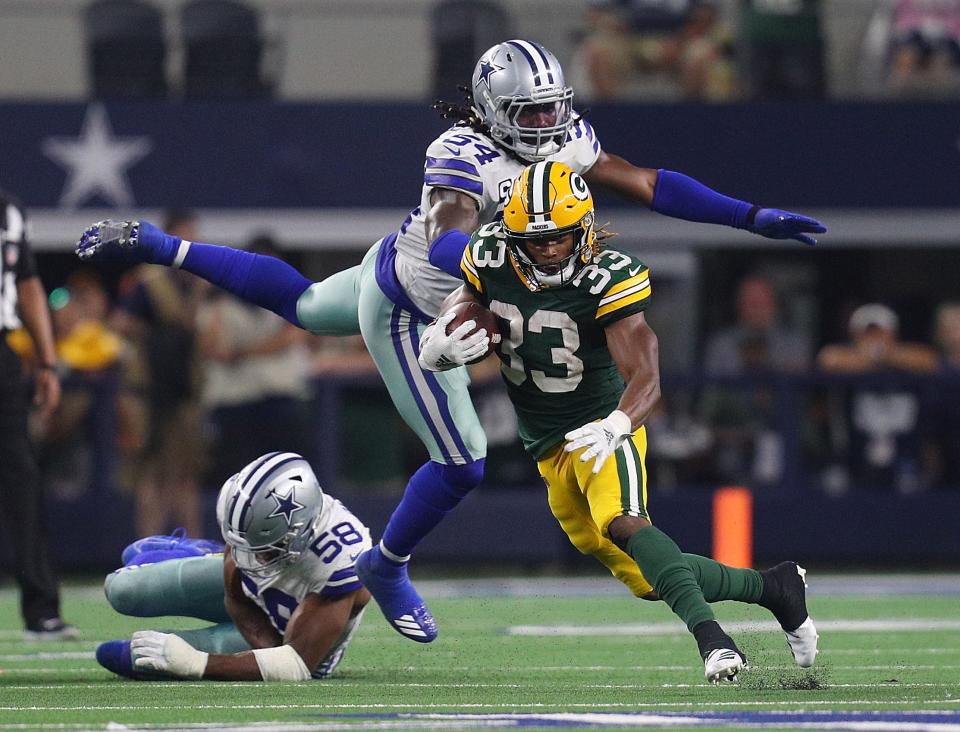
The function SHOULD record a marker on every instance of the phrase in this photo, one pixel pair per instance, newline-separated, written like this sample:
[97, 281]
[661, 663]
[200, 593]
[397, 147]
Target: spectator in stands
[758, 327]
[783, 48]
[256, 378]
[701, 56]
[88, 351]
[158, 314]
[875, 346]
[924, 48]
[880, 436]
[747, 446]
[626, 44]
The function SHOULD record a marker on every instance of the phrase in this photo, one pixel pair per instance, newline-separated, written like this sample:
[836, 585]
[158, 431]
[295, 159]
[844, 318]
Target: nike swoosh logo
[353, 557]
[453, 150]
[634, 271]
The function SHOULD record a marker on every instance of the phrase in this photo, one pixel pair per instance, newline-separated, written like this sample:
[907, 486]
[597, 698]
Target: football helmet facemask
[520, 93]
[547, 201]
[269, 511]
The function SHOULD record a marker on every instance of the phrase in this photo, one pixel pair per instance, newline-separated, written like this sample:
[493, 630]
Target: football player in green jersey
[580, 364]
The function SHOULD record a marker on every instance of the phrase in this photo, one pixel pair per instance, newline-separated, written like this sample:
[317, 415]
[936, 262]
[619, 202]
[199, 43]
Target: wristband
[47, 367]
[281, 663]
[620, 420]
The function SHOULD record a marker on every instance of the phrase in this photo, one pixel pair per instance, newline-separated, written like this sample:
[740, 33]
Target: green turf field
[890, 660]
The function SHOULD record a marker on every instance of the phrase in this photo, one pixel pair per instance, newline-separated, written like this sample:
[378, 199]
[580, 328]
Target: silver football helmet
[268, 512]
[520, 93]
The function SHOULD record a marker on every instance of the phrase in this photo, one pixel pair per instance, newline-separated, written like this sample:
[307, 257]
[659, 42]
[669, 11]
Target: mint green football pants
[189, 588]
[436, 406]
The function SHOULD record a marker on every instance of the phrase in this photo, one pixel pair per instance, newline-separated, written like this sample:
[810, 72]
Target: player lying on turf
[284, 596]
[520, 111]
[580, 364]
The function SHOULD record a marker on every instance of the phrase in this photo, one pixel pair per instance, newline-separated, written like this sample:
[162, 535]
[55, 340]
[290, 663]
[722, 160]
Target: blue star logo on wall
[286, 505]
[488, 69]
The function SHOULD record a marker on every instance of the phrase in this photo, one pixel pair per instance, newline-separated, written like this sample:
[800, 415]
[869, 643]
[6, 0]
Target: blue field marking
[916, 721]
[823, 584]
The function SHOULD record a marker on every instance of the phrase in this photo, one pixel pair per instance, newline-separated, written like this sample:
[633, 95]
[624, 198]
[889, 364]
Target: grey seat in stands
[126, 48]
[223, 49]
[461, 30]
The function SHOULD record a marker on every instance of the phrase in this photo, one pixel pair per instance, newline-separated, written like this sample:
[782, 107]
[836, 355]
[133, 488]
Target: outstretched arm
[264, 281]
[678, 195]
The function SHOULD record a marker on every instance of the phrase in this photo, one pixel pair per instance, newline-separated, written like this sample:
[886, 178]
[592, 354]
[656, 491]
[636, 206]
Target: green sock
[720, 582]
[664, 566]
[221, 638]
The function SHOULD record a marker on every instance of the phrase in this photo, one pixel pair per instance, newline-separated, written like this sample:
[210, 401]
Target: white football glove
[166, 652]
[440, 352]
[601, 439]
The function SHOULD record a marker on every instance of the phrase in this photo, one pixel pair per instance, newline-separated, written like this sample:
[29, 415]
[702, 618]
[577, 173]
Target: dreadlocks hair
[464, 113]
[602, 235]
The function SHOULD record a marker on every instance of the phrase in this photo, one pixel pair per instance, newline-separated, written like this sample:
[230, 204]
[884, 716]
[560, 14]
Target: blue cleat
[403, 608]
[159, 548]
[115, 656]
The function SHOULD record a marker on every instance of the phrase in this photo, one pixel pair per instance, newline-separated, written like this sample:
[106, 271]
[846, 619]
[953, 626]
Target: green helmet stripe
[531, 178]
[545, 190]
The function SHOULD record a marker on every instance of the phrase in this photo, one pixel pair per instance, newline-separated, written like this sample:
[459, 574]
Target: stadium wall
[340, 175]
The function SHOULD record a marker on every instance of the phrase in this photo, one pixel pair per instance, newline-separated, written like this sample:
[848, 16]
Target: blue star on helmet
[286, 506]
[488, 69]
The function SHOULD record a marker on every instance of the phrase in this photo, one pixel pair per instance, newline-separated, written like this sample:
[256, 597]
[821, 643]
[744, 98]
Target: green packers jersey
[554, 356]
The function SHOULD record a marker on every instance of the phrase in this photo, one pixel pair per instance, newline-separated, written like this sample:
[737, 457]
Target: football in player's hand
[483, 317]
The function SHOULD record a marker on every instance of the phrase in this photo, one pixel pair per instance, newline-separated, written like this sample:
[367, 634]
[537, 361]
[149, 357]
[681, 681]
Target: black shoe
[722, 660]
[785, 595]
[50, 629]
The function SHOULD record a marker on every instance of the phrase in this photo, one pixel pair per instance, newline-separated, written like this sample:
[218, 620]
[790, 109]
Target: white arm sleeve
[281, 663]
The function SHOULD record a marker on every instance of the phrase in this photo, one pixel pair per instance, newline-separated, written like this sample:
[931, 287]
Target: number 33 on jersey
[554, 356]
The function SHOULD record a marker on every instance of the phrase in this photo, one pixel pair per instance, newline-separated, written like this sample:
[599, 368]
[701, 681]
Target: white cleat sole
[803, 643]
[722, 664]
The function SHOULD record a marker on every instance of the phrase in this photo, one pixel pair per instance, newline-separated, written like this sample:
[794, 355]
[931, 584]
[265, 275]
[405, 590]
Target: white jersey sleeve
[582, 148]
[471, 163]
[325, 568]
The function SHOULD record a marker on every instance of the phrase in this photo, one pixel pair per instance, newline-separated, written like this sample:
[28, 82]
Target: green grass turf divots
[879, 655]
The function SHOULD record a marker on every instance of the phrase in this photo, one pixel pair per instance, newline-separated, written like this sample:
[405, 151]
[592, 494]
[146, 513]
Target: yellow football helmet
[548, 201]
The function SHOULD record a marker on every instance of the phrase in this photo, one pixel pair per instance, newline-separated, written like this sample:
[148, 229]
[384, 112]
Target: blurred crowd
[728, 50]
[874, 411]
[175, 383]
[172, 386]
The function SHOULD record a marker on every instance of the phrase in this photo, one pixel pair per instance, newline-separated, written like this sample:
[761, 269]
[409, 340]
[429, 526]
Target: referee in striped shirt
[23, 302]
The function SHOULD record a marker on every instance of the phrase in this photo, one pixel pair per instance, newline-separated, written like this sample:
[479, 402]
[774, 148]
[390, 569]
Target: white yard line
[800, 704]
[677, 628]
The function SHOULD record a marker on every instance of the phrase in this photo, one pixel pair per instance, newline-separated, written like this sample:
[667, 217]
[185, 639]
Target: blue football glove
[129, 241]
[776, 224]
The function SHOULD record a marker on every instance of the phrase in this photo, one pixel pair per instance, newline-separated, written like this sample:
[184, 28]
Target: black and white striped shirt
[16, 259]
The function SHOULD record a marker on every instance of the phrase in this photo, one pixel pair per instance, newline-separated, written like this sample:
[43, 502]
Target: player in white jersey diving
[520, 112]
[284, 596]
